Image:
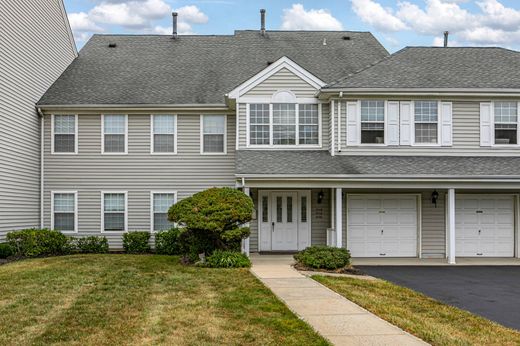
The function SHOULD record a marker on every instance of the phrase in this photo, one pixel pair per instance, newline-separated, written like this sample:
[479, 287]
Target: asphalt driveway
[489, 291]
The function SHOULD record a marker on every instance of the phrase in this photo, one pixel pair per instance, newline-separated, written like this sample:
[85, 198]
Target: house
[414, 154]
[36, 45]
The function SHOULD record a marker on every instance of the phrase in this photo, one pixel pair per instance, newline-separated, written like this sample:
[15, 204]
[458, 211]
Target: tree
[213, 219]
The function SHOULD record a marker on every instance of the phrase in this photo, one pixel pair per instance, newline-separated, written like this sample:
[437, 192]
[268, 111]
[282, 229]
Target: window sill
[164, 154]
[213, 154]
[58, 153]
[112, 154]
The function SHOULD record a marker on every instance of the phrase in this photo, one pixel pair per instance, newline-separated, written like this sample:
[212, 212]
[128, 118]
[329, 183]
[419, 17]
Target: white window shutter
[486, 124]
[406, 122]
[446, 123]
[353, 124]
[392, 119]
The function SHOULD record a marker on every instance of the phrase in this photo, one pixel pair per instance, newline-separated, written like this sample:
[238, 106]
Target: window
[309, 124]
[259, 124]
[114, 211]
[161, 203]
[285, 125]
[303, 212]
[506, 120]
[163, 134]
[426, 122]
[372, 122]
[114, 133]
[64, 206]
[213, 134]
[65, 134]
[265, 209]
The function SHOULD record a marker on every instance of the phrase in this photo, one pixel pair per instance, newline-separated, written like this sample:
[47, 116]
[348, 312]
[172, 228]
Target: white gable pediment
[282, 63]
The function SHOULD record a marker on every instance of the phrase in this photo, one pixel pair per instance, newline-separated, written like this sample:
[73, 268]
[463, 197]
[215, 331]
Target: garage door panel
[485, 226]
[396, 215]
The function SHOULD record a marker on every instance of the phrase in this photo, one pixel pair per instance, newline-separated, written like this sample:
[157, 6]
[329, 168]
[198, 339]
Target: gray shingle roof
[437, 67]
[303, 163]
[153, 69]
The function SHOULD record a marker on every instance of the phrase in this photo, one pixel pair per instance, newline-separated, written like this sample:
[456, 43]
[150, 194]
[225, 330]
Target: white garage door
[382, 225]
[484, 226]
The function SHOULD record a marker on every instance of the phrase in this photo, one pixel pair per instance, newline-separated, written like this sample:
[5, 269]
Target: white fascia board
[368, 177]
[423, 91]
[283, 62]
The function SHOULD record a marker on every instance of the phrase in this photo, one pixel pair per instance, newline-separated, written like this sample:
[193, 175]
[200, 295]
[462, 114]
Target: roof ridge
[366, 67]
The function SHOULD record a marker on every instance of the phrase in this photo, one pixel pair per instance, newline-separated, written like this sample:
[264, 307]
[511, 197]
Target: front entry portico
[284, 220]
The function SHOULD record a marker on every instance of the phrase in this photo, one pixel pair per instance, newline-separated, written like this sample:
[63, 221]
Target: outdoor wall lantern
[320, 197]
[435, 196]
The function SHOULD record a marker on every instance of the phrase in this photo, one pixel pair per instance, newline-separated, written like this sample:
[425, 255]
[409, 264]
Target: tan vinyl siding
[137, 172]
[433, 237]
[465, 132]
[35, 48]
[283, 80]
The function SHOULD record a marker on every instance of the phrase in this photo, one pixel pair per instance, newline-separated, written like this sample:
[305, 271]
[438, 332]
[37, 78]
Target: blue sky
[396, 23]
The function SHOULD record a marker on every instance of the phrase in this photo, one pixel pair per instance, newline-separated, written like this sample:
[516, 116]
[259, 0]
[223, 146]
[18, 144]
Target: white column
[450, 226]
[339, 221]
[245, 242]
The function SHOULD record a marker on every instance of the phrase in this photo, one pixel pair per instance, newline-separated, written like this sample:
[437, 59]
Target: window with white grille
[213, 134]
[506, 122]
[426, 117]
[114, 133]
[163, 133]
[64, 211]
[373, 122]
[114, 211]
[161, 203]
[65, 132]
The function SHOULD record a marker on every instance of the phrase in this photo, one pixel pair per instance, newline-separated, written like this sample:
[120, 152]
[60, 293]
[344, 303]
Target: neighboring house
[36, 45]
[414, 154]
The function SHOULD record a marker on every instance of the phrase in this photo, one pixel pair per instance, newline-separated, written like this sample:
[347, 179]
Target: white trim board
[75, 193]
[283, 62]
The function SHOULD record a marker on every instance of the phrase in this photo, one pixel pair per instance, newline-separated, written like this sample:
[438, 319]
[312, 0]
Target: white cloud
[191, 14]
[377, 16]
[297, 18]
[492, 23]
[132, 14]
[80, 22]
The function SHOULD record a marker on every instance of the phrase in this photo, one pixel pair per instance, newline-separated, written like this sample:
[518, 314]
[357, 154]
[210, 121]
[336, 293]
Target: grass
[428, 319]
[140, 300]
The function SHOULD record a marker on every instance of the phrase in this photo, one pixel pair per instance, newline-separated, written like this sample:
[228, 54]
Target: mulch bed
[346, 270]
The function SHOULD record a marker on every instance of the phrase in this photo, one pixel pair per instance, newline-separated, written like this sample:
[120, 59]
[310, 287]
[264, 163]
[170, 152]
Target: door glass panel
[304, 209]
[289, 209]
[279, 209]
[265, 210]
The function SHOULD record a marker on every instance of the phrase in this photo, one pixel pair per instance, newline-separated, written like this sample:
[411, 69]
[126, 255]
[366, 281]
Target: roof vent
[346, 38]
[174, 25]
[269, 63]
[262, 22]
[112, 45]
[446, 33]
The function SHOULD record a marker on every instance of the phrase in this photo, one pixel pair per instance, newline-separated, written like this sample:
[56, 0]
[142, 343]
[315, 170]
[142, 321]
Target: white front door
[484, 226]
[284, 220]
[382, 225]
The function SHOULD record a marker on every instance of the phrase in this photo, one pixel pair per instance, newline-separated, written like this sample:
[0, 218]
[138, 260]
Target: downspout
[333, 139]
[339, 126]
[42, 151]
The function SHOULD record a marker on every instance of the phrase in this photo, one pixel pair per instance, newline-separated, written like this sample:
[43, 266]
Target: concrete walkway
[333, 316]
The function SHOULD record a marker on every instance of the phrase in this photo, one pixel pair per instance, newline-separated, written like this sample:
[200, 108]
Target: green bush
[6, 250]
[39, 242]
[212, 220]
[92, 244]
[136, 242]
[167, 242]
[227, 259]
[323, 257]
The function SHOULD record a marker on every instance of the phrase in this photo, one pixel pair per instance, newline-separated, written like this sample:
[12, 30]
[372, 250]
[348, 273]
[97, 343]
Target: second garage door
[484, 226]
[382, 225]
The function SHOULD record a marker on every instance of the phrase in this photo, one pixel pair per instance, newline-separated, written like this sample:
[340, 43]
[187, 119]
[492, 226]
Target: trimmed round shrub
[6, 250]
[136, 242]
[323, 257]
[167, 242]
[92, 244]
[227, 259]
[39, 242]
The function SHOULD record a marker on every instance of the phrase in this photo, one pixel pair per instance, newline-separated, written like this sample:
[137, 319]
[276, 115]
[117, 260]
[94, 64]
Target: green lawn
[430, 320]
[138, 300]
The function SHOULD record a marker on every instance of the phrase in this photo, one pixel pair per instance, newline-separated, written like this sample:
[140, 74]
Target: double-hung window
[283, 124]
[163, 134]
[161, 203]
[213, 134]
[309, 126]
[259, 124]
[426, 122]
[114, 211]
[64, 211]
[114, 134]
[65, 134]
[373, 122]
[506, 122]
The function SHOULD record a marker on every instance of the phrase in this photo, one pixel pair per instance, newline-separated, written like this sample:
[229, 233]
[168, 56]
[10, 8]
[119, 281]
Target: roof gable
[282, 63]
